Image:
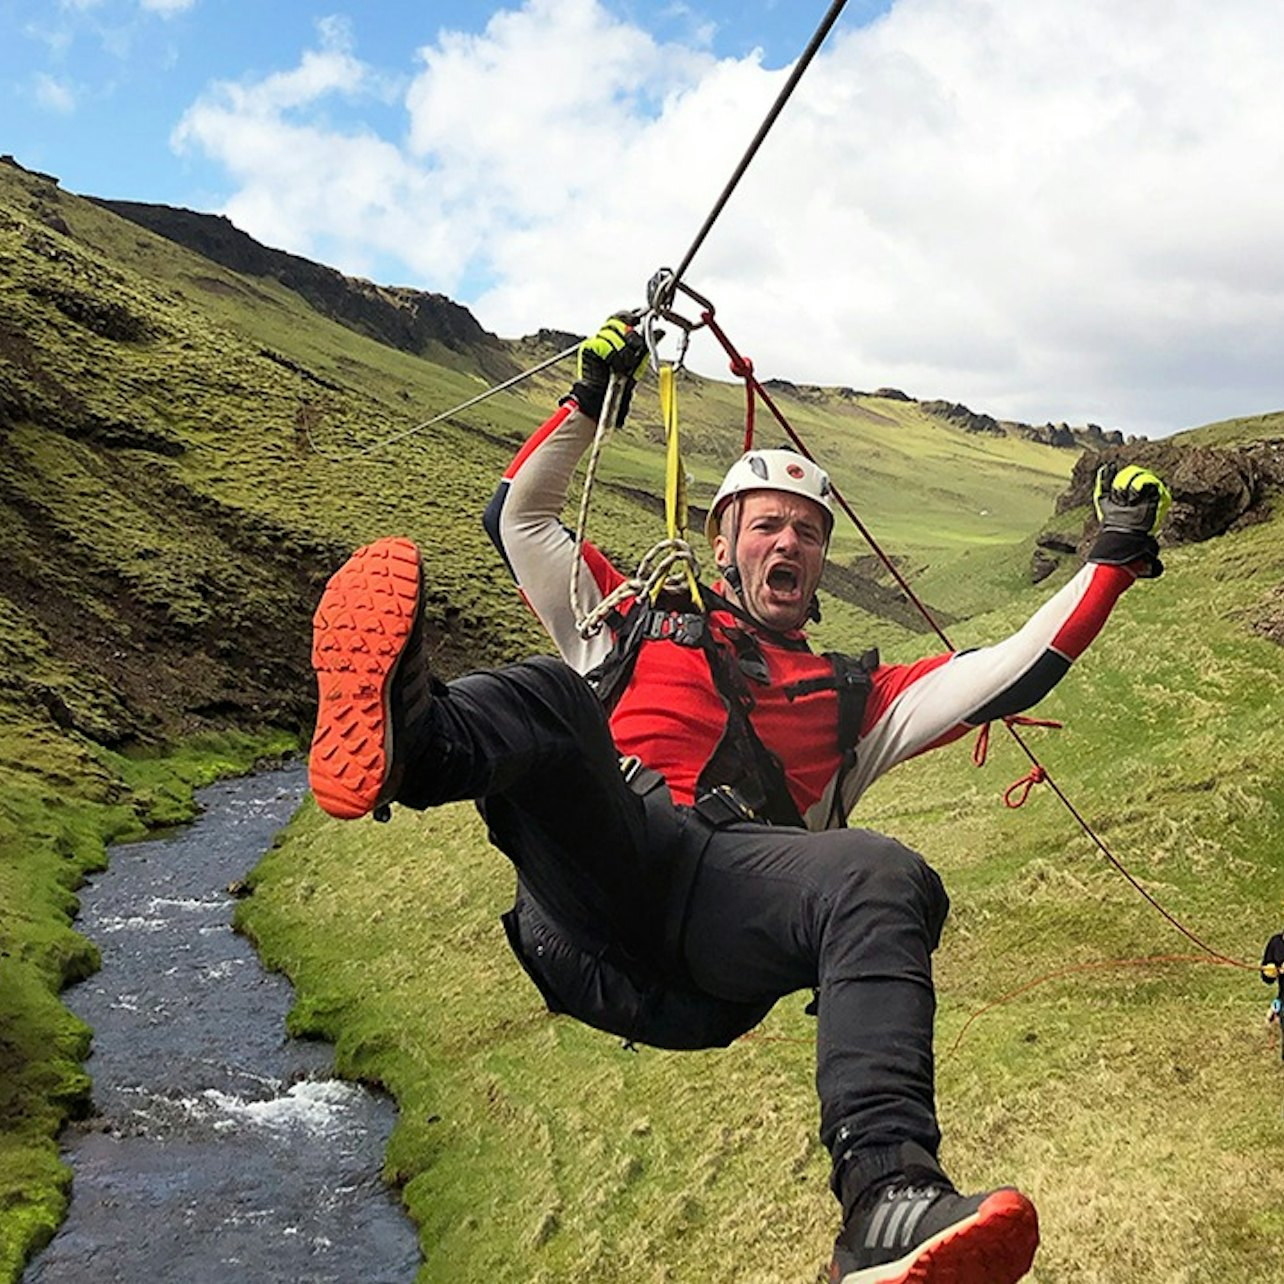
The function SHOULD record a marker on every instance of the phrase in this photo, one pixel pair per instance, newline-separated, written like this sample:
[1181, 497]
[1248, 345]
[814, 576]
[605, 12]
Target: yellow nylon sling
[675, 480]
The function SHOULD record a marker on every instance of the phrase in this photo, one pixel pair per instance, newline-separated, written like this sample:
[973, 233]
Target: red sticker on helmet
[795, 471]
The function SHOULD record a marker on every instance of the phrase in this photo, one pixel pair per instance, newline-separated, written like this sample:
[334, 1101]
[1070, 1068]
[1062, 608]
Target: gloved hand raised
[617, 348]
[1131, 503]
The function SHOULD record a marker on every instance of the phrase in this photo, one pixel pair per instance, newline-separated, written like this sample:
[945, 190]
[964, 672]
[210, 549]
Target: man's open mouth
[782, 579]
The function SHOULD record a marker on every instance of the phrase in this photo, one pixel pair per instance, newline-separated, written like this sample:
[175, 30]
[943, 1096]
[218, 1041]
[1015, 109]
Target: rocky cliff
[408, 319]
[1216, 490]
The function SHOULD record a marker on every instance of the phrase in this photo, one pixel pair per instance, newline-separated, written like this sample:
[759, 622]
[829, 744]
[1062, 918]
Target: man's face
[780, 550]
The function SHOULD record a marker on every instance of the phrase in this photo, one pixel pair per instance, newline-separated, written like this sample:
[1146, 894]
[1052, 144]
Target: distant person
[1273, 974]
[677, 819]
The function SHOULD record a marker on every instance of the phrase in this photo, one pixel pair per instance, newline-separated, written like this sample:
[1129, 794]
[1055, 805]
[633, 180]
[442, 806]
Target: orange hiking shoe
[371, 676]
[930, 1234]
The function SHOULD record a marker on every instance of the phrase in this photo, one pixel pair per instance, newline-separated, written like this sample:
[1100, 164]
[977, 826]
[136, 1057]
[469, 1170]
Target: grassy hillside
[168, 527]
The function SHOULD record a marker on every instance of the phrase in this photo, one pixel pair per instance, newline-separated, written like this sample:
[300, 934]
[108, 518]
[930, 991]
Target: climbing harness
[740, 762]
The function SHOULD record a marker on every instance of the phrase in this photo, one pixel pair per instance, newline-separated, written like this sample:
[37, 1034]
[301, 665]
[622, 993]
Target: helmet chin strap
[731, 572]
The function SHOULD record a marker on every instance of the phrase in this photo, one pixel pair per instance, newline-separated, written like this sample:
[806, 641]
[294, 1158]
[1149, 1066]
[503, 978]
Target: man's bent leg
[531, 741]
[858, 915]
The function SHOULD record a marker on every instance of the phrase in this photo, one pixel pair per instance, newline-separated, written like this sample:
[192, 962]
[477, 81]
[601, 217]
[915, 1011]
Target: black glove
[1131, 503]
[617, 348]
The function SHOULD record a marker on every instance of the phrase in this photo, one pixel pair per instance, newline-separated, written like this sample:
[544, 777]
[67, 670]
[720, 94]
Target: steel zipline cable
[355, 455]
[800, 67]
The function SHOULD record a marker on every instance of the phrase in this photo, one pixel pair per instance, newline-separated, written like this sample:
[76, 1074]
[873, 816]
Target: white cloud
[299, 182]
[1045, 210]
[166, 8]
[54, 95]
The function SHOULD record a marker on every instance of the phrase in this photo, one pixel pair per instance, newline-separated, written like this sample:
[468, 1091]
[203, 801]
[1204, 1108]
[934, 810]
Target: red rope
[982, 747]
[1121, 867]
[1011, 798]
[741, 367]
[836, 494]
[1083, 967]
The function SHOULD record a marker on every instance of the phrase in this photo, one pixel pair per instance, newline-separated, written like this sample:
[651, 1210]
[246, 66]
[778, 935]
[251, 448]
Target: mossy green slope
[168, 527]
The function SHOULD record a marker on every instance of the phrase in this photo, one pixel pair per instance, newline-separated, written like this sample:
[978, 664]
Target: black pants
[637, 916]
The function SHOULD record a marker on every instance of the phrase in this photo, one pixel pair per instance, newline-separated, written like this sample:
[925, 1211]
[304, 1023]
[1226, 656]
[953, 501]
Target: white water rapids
[220, 1150]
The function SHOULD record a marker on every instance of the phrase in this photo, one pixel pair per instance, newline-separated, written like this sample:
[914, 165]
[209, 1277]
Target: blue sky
[93, 88]
[1048, 210]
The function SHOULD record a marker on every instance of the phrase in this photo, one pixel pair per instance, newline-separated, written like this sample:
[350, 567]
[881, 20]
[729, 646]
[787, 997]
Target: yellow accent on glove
[1128, 486]
[1270, 971]
[611, 346]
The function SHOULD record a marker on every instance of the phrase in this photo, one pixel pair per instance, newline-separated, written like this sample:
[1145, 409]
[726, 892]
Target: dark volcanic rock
[1215, 488]
[961, 417]
[403, 318]
[1042, 564]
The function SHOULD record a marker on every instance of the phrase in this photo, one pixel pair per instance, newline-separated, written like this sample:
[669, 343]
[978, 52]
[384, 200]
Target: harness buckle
[722, 806]
[640, 778]
[682, 627]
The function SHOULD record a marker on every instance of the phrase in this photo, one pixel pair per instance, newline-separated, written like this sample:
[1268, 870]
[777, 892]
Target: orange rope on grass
[1151, 960]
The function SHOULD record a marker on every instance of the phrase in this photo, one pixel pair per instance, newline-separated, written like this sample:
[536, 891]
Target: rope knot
[1036, 776]
[741, 367]
[981, 748]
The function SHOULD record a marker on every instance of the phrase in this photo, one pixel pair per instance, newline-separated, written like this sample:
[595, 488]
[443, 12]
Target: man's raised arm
[920, 706]
[524, 517]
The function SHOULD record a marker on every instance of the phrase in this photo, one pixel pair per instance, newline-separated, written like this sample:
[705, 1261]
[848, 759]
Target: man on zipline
[676, 821]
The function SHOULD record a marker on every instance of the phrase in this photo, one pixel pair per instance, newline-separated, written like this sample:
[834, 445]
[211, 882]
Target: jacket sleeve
[915, 707]
[524, 520]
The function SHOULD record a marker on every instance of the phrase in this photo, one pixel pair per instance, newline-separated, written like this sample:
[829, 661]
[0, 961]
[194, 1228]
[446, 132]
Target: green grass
[1229, 432]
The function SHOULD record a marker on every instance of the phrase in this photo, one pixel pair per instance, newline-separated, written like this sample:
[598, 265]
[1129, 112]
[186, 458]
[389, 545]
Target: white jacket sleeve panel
[524, 519]
[919, 706]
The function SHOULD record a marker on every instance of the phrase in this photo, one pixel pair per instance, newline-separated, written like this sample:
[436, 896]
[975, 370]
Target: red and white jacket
[671, 715]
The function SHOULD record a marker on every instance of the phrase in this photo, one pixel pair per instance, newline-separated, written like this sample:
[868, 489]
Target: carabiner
[660, 292]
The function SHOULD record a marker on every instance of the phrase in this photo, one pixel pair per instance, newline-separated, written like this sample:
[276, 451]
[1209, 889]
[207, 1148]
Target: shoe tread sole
[359, 631]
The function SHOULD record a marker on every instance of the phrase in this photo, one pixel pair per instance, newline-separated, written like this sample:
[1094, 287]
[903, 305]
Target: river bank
[217, 1147]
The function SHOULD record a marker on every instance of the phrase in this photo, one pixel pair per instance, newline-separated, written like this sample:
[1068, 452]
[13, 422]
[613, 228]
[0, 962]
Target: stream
[220, 1149]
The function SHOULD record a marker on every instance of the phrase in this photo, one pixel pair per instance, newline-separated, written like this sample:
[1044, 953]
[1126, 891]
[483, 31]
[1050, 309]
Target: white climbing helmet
[783, 470]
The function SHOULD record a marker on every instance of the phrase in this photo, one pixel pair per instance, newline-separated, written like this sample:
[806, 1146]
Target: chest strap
[740, 761]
